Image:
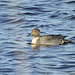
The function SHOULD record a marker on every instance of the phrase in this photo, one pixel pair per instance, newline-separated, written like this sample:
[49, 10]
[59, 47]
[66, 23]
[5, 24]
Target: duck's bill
[29, 35]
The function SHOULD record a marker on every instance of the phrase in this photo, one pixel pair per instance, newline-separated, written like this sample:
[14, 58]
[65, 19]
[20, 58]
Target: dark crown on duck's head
[35, 32]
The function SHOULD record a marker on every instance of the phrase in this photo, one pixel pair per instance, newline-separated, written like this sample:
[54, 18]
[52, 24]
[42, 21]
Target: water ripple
[70, 2]
[28, 13]
[72, 17]
[33, 8]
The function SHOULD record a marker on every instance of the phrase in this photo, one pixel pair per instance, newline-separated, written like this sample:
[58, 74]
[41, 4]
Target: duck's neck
[34, 41]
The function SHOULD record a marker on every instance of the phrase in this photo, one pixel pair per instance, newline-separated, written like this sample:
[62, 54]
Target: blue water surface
[18, 18]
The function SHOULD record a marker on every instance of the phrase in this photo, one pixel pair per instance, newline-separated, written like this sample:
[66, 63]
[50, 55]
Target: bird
[47, 39]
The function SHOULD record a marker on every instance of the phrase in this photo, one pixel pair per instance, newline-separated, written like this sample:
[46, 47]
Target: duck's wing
[53, 37]
[58, 36]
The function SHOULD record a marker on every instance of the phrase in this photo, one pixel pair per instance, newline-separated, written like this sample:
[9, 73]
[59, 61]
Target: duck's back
[51, 39]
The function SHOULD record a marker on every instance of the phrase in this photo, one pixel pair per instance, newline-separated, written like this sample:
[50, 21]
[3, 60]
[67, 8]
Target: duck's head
[35, 32]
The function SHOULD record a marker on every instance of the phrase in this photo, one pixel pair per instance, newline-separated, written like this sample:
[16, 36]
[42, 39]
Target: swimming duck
[47, 39]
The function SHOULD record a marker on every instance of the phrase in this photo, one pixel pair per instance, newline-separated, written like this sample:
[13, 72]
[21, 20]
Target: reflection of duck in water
[47, 39]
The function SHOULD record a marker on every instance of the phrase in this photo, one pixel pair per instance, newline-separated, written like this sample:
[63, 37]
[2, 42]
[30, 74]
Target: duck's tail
[67, 41]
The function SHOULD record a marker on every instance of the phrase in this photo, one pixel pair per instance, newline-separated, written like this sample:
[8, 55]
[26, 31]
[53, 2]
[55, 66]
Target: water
[18, 18]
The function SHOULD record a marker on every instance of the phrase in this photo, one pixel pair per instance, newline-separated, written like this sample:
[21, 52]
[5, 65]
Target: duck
[47, 39]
